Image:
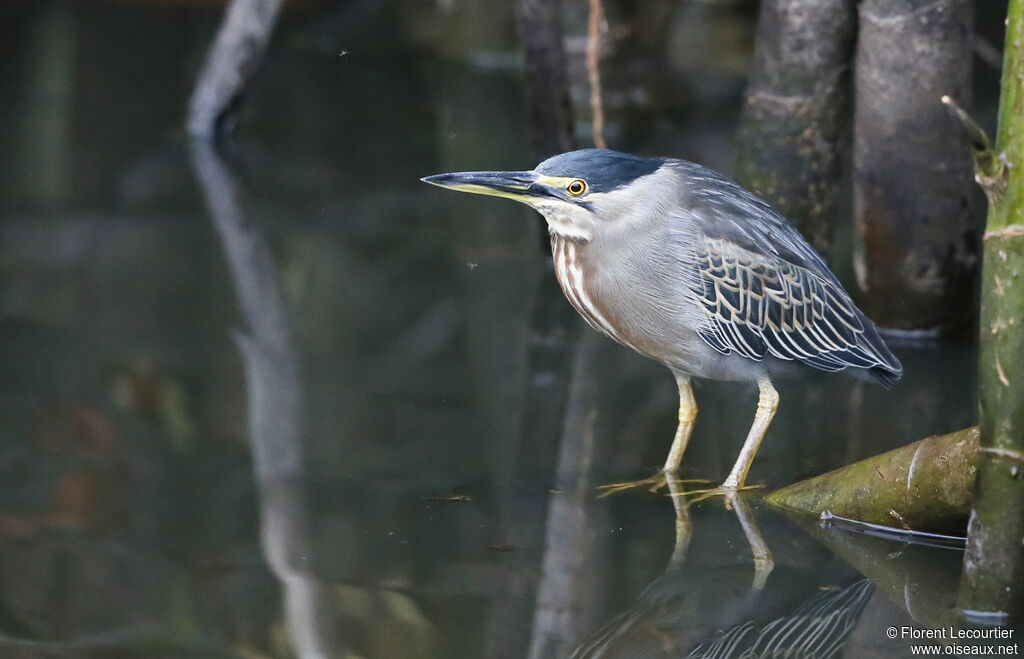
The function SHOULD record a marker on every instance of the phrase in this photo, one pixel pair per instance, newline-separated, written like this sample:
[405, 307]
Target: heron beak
[520, 186]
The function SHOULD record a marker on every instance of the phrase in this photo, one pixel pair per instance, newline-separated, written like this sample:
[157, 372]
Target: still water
[294, 402]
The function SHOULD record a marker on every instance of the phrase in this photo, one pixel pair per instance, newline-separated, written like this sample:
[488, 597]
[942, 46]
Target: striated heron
[687, 268]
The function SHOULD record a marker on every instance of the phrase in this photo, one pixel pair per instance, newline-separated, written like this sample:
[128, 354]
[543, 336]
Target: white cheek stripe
[566, 229]
[564, 220]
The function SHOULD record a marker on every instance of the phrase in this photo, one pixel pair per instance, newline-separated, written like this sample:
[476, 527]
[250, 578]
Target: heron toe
[660, 480]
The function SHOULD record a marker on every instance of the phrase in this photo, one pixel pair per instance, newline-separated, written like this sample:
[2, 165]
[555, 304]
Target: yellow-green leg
[767, 403]
[687, 419]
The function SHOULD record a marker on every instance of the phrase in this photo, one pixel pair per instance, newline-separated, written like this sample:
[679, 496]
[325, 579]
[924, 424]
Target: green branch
[993, 575]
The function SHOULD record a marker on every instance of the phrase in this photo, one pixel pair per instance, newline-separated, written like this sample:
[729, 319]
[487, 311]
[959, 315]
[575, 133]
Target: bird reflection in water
[684, 614]
[817, 629]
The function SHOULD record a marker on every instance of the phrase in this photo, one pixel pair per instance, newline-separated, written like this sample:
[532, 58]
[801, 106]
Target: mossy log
[795, 119]
[925, 486]
[993, 576]
[916, 248]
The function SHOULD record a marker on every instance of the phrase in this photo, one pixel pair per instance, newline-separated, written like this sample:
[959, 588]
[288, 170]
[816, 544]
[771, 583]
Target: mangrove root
[923, 486]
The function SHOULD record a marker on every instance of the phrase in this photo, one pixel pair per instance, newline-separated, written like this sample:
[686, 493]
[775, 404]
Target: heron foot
[653, 484]
[726, 491]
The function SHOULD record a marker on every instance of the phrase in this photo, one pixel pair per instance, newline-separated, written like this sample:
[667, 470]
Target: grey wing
[757, 306]
[765, 292]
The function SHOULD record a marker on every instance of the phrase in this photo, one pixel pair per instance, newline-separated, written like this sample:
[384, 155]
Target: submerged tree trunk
[993, 576]
[547, 79]
[795, 116]
[916, 246]
[230, 64]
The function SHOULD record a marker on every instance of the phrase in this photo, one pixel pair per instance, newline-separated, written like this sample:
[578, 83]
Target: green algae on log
[923, 486]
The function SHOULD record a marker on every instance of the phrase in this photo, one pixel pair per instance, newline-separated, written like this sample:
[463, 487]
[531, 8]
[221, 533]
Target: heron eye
[576, 188]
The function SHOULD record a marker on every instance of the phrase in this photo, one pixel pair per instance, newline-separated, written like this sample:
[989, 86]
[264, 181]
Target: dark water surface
[298, 403]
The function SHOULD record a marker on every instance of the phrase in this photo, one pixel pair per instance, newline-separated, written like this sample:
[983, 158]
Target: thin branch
[594, 24]
[984, 156]
[989, 169]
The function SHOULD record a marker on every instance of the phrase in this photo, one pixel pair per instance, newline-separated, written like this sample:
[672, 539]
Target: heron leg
[687, 419]
[767, 403]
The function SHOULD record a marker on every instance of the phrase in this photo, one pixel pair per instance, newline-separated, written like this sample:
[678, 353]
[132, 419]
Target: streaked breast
[571, 275]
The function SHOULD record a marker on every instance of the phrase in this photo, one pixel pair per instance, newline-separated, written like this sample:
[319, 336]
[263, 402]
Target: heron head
[579, 193]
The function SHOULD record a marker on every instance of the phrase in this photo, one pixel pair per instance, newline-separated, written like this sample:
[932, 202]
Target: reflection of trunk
[231, 62]
[918, 579]
[554, 332]
[993, 577]
[509, 354]
[276, 414]
[287, 534]
[916, 247]
[795, 115]
[547, 85]
[567, 594]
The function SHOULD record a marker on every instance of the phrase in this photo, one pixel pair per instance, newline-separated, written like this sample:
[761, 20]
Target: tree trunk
[993, 576]
[916, 246]
[547, 80]
[230, 64]
[795, 117]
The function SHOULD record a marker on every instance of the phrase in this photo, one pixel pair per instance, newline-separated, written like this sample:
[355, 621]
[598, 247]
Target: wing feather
[763, 290]
[758, 306]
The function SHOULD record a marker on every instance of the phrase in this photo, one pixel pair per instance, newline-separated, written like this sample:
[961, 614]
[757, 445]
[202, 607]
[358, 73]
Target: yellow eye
[576, 188]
